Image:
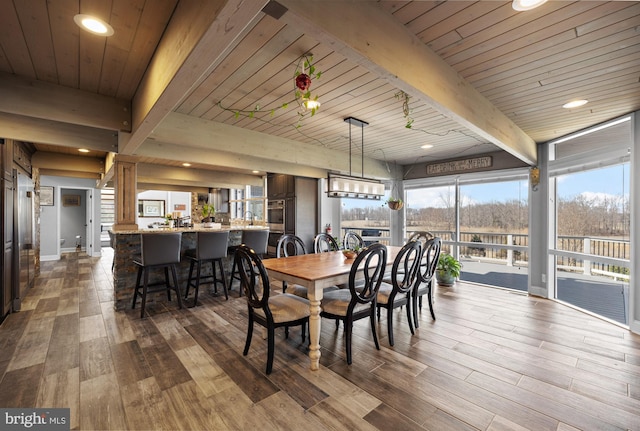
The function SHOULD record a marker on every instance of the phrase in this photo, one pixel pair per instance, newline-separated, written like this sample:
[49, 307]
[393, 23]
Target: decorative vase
[444, 278]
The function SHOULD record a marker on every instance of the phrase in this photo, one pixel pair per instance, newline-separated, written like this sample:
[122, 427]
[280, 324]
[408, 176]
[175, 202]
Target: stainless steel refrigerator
[25, 235]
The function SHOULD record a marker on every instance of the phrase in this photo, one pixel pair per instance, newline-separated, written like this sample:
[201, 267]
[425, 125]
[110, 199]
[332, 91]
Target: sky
[609, 181]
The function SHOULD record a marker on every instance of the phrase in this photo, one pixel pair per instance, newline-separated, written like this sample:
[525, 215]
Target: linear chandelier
[341, 186]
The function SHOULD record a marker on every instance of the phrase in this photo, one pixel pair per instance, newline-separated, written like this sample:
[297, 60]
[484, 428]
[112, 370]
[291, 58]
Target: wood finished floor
[493, 360]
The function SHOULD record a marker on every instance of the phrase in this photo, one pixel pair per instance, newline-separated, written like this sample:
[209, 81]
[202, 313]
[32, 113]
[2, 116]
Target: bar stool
[210, 247]
[158, 250]
[256, 240]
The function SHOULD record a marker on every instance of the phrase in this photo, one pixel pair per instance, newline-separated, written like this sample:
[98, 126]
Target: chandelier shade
[346, 186]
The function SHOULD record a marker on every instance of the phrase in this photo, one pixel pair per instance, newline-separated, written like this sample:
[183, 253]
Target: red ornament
[303, 82]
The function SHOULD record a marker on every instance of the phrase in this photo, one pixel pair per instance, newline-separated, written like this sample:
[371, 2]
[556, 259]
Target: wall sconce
[534, 177]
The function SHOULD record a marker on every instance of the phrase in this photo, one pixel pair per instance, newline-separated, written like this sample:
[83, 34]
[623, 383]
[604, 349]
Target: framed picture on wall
[71, 200]
[46, 196]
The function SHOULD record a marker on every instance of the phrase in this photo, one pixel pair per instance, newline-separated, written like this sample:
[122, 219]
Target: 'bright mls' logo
[42, 419]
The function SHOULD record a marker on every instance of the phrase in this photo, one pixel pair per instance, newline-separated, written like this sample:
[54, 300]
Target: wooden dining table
[316, 272]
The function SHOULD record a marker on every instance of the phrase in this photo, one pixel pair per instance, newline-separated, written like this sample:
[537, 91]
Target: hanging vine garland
[308, 104]
[404, 97]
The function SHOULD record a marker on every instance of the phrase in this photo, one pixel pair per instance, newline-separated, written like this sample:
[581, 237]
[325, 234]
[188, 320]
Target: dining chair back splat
[422, 235]
[211, 247]
[352, 241]
[324, 242]
[290, 245]
[359, 301]
[424, 281]
[161, 251]
[269, 311]
[256, 240]
[404, 272]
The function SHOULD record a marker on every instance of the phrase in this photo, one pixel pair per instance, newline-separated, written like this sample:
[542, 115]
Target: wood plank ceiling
[526, 64]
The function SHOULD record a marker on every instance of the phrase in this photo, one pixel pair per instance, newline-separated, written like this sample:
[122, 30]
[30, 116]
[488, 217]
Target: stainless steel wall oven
[275, 215]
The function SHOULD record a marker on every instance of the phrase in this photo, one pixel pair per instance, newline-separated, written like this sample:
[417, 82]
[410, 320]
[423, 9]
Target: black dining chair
[424, 281]
[211, 247]
[359, 301]
[324, 242]
[282, 310]
[352, 241]
[291, 245]
[255, 239]
[157, 251]
[422, 235]
[404, 272]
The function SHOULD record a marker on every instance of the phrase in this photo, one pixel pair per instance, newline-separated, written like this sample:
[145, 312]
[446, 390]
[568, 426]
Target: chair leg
[198, 274]
[223, 278]
[191, 265]
[247, 342]
[389, 323]
[233, 271]
[270, 348]
[414, 306]
[304, 330]
[144, 293]
[135, 291]
[176, 285]
[372, 318]
[166, 281]
[348, 329]
[429, 296]
[409, 313]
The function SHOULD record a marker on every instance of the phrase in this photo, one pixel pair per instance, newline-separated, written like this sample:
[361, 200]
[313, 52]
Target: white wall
[171, 199]
[50, 219]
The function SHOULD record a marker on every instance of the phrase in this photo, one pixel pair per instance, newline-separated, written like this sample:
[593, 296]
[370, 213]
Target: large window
[482, 220]
[432, 209]
[368, 218]
[247, 204]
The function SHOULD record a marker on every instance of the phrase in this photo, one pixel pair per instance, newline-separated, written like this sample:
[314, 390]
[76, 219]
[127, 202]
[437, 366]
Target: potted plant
[208, 211]
[448, 269]
[395, 203]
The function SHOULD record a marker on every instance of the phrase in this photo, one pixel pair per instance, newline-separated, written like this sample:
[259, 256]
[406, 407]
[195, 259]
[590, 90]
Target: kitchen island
[126, 248]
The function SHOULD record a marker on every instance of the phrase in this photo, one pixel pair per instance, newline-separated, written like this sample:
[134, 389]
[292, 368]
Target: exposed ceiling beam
[68, 162]
[35, 130]
[69, 174]
[369, 35]
[198, 37]
[159, 174]
[182, 137]
[39, 99]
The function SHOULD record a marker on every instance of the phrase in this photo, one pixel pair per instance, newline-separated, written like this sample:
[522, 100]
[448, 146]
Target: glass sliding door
[494, 232]
[592, 241]
[590, 251]
[432, 209]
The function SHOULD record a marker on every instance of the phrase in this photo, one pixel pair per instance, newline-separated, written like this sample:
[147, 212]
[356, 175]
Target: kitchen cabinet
[280, 186]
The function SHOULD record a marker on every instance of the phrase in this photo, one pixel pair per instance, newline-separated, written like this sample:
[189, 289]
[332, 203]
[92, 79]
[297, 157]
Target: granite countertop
[189, 229]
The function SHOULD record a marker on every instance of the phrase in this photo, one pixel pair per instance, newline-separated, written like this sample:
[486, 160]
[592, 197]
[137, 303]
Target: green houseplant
[208, 211]
[395, 203]
[448, 269]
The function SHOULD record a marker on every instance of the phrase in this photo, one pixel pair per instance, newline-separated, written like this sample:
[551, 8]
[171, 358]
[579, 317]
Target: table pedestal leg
[314, 333]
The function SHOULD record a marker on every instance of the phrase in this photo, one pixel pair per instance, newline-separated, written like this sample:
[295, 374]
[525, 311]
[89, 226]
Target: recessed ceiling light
[186, 165]
[83, 150]
[521, 5]
[256, 172]
[93, 25]
[575, 104]
[426, 146]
